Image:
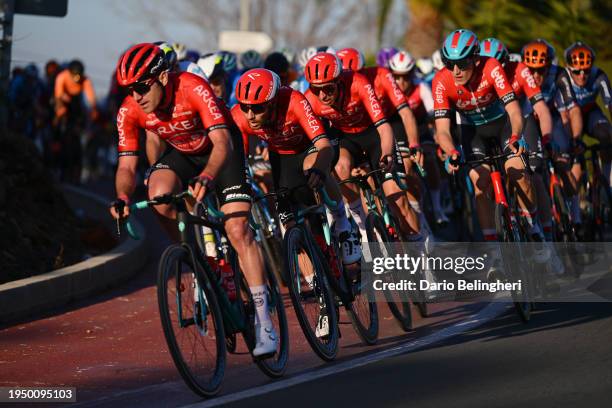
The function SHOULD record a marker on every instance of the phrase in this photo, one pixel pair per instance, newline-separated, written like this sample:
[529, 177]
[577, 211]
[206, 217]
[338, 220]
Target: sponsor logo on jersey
[376, 109]
[398, 95]
[498, 78]
[120, 119]
[528, 77]
[210, 101]
[178, 127]
[474, 102]
[313, 123]
[439, 92]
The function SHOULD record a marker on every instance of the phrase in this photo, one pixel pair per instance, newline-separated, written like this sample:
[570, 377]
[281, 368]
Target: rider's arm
[603, 84]
[154, 147]
[222, 146]
[410, 125]
[443, 135]
[398, 99]
[442, 114]
[125, 178]
[567, 98]
[372, 105]
[61, 98]
[541, 109]
[516, 117]
[314, 129]
[89, 93]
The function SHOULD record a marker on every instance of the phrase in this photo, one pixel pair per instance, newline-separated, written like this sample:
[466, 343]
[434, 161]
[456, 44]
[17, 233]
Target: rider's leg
[349, 191]
[164, 181]
[400, 207]
[603, 132]
[433, 179]
[483, 197]
[519, 177]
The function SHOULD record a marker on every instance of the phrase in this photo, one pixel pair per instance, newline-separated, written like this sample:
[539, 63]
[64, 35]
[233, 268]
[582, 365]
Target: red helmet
[140, 62]
[258, 85]
[351, 59]
[323, 67]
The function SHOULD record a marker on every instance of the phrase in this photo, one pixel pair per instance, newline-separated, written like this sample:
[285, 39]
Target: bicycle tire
[506, 232]
[296, 241]
[170, 263]
[565, 229]
[399, 305]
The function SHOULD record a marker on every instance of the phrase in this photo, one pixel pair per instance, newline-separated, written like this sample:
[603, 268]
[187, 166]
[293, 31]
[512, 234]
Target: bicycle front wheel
[310, 294]
[191, 320]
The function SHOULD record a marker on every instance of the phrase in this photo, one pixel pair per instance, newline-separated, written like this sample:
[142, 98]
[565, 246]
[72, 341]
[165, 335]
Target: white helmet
[514, 57]
[402, 62]
[180, 49]
[305, 55]
[211, 64]
[188, 66]
[436, 59]
[425, 65]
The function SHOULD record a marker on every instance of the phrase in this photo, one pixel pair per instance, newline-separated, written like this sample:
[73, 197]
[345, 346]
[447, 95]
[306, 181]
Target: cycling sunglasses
[462, 64]
[540, 71]
[141, 88]
[585, 72]
[408, 75]
[326, 89]
[256, 109]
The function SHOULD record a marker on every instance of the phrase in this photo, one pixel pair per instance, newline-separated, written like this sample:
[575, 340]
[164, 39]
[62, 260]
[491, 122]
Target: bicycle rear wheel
[191, 320]
[310, 301]
[507, 232]
[398, 301]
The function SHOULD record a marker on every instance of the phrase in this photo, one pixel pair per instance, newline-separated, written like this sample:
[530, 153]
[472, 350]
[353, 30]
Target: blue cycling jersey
[598, 83]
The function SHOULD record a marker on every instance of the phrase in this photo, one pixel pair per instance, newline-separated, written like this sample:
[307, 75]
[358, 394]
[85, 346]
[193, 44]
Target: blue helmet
[230, 63]
[492, 47]
[460, 44]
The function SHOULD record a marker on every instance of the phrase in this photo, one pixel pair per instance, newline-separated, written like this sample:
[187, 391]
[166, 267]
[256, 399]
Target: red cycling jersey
[388, 93]
[522, 81]
[191, 111]
[293, 128]
[420, 101]
[358, 107]
[478, 100]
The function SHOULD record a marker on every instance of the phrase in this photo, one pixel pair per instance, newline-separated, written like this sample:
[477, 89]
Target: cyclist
[588, 81]
[301, 84]
[538, 122]
[384, 55]
[349, 102]
[557, 91]
[400, 117]
[212, 66]
[420, 100]
[70, 115]
[477, 87]
[182, 109]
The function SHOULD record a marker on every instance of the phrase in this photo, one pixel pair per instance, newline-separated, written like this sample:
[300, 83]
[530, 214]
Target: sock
[575, 210]
[339, 215]
[260, 298]
[359, 216]
[531, 216]
[489, 235]
[435, 201]
[547, 227]
[416, 206]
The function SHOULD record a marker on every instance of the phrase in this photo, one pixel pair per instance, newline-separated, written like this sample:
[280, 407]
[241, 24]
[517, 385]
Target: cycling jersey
[190, 111]
[420, 101]
[556, 90]
[294, 125]
[66, 89]
[480, 100]
[389, 95]
[586, 96]
[522, 81]
[357, 107]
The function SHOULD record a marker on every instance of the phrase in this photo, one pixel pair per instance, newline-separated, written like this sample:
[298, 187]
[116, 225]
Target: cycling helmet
[76, 67]
[305, 55]
[402, 62]
[492, 47]
[191, 67]
[538, 54]
[192, 55]
[351, 59]
[169, 53]
[257, 86]
[230, 63]
[212, 65]
[425, 65]
[140, 62]
[277, 62]
[460, 44]
[436, 59]
[288, 53]
[579, 56]
[251, 59]
[180, 49]
[515, 57]
[322, 68]
[31, 70]
[384, 55]
[326, 48]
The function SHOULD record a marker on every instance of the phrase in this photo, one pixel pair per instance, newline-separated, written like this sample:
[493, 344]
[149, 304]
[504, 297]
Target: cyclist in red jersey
[418, 95]
[399, 115]
[202, 138]
[478, 88]
[300, 151]
[538, 123]
[348, 101]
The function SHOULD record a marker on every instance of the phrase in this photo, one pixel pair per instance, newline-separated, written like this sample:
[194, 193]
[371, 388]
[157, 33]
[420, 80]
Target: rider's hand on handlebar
[451, 164]
[200, 185]
[386, 163]
[517, 144]
[416, 154]
[119, 208]
[578, 147]
[315, 177]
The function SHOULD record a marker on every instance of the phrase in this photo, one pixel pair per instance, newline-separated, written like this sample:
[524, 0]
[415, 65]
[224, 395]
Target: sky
[93, 31]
